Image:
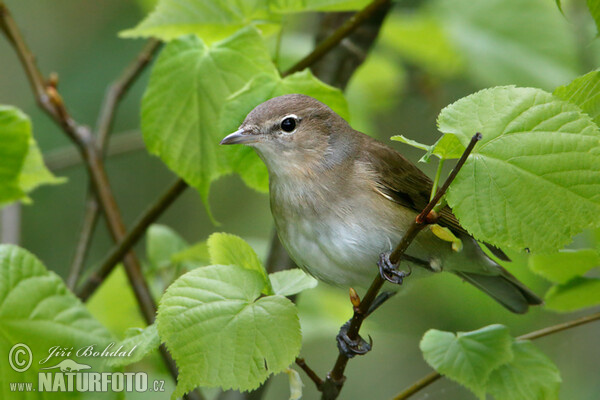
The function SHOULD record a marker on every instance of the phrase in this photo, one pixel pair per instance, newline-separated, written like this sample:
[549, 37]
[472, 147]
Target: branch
[51, 102]
[311, 374]
[113, 96]
[117, 90]
[336, 37]
[335, 379]
[434, 376]
[130, 239]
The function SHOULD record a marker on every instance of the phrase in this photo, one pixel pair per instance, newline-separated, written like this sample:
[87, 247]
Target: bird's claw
[389, 271]
[352, 347]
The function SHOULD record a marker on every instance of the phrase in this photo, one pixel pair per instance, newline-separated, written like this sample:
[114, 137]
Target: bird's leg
[389, 271]
[352, 347]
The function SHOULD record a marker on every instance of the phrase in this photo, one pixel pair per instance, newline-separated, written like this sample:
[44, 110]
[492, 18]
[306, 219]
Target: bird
[340, 199]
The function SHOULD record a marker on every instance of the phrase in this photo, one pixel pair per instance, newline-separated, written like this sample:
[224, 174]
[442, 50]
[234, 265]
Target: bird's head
[291, 131]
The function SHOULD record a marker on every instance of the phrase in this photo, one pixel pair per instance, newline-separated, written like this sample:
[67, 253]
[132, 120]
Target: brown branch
[336, 37]
[90, 220]
[130, 239]
[309, 372]
[335, 379]
[560, 327]
[51, 102]
[117, 90]
[434, 376]
[113, 96]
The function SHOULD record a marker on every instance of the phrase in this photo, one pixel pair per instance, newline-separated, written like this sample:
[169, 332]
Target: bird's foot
[389, 271]
[352, 347]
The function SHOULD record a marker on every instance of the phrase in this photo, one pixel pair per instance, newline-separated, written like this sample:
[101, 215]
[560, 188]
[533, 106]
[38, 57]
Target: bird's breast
[334, 236]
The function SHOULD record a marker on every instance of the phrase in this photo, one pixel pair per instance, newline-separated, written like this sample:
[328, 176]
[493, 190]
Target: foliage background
[388, 96]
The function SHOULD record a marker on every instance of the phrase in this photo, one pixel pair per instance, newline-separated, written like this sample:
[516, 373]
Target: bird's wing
[399, 180]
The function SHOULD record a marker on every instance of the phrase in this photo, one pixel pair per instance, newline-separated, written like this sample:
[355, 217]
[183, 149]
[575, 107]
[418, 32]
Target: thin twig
[434, 376]
[90, 220]
[113, 96]
[131, 238]
[335, 379]
[309, 371]
[51, 102]
[336, 37]
[117, 90]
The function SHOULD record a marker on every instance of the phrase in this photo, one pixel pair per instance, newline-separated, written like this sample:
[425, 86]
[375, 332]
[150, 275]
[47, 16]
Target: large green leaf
[584, 92]
[22, 167]
[529, 376]
[262, 88]
[574, 295]
[211, 20]
[534, 179]
[222, 332]
[468, 357]
[137, 345]
[228, 249]
[188, 87]
[15, 133]
[34, 172]
[216, 19]
[506, 41]
[37, 309]
[289, 6]
[565, 265]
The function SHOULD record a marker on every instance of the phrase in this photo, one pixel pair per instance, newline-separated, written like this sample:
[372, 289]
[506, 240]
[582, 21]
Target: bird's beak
[239, 137]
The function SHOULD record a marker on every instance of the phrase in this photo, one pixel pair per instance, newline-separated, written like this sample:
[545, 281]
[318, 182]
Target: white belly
[340, 252]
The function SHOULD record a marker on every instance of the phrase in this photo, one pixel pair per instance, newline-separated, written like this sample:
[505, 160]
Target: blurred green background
[424, 59]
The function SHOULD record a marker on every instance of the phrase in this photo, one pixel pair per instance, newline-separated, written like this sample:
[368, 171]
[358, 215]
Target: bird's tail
[504, 288]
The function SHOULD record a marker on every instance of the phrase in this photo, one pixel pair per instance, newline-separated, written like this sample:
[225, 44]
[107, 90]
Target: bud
[354, 299]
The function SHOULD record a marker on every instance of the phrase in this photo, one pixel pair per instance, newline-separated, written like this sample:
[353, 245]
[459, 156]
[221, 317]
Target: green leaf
[529, 376]
[565, 265]
[22, 167]
[468, 357]
[262, 88]
[34, 172]
[594, 7]
[578, 293]
[585, 93]
[419, 38]
[228, 249]
[138, 344]
[162, 244]
[114, 303]
[221, 332]
[534, 179]
[211, 20]
[38, 310]
[196, 254]
[500, 45]
[291, 281]
[447, 147]
[188, 87]
[15, 133]
[291, 6]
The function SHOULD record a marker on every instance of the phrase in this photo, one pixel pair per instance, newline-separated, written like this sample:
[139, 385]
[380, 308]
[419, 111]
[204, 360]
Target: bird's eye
[288, 124]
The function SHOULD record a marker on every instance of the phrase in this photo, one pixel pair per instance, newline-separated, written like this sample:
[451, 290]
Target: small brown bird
[340, 198]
